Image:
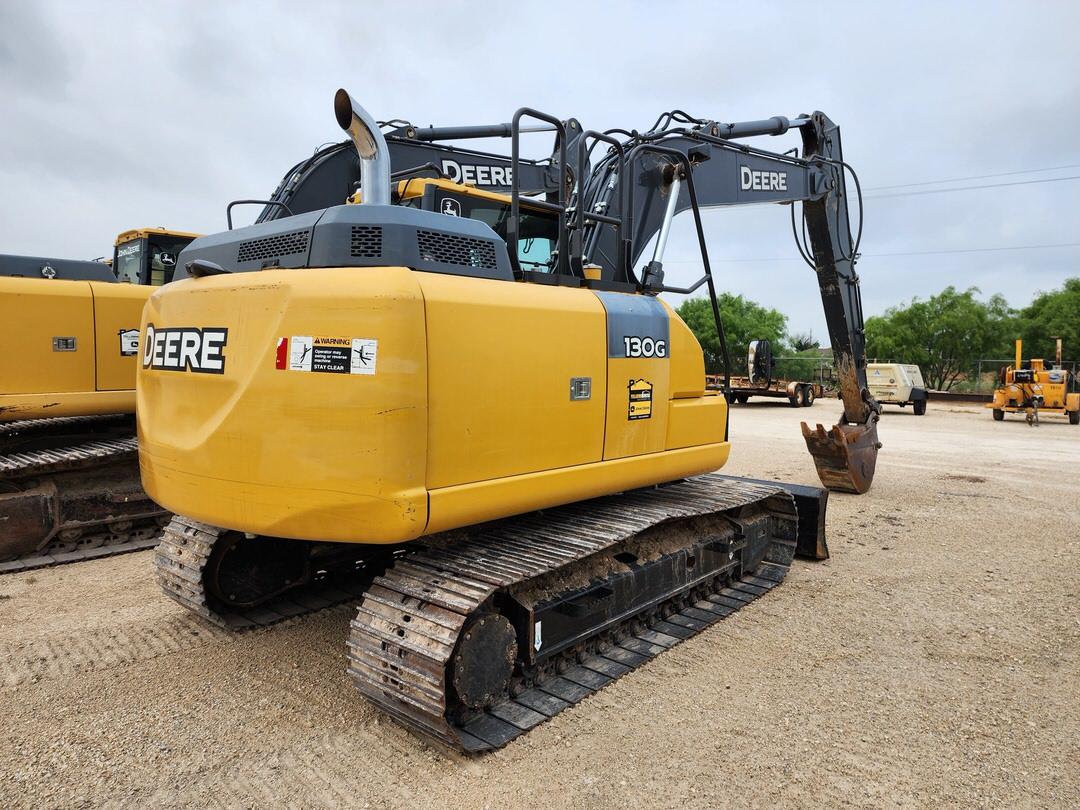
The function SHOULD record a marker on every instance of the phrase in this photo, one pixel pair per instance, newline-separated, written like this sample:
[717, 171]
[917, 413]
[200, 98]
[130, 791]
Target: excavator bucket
[845, 455]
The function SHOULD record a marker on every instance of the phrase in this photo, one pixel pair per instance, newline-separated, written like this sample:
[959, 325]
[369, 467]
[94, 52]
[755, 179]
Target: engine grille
[451, 249]
[269, 247]
[366, 242]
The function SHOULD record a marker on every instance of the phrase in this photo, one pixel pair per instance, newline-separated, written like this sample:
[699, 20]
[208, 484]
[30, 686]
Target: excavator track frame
[417, 603]
[185, 553]
[72, 497]
[408, 635]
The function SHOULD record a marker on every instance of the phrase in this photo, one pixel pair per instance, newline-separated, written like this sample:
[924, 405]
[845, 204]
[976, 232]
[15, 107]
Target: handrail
[513, 226]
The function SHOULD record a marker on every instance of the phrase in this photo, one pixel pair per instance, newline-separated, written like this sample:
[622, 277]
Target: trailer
[798, 393]
[759, 381]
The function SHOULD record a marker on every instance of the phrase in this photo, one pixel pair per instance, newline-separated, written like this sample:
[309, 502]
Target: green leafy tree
[744, 320]
[803, 341]
[945, 334]
[1050, 315]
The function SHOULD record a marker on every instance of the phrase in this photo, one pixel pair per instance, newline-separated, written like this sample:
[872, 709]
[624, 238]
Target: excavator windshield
[128, 262]
[149, 258]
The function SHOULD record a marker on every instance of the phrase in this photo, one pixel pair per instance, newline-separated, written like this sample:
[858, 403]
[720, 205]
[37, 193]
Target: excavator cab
[538, 244]
[147, 256]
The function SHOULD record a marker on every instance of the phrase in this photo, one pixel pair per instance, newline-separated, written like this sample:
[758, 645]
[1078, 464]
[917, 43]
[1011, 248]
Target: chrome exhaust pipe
[370, 145]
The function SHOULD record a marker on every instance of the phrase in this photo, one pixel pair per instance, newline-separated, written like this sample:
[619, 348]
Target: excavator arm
[701, 166]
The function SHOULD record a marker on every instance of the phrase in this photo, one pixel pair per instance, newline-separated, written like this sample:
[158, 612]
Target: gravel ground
[934, 660]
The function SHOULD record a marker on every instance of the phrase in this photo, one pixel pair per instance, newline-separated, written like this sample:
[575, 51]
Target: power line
[977, 250]
[971, 188]
[975, 177]
[906, 253]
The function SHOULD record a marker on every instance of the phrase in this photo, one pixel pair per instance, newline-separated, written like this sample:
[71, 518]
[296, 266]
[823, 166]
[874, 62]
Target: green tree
[1050, 315]
[944, 334]
[744, 320]
[803, 341]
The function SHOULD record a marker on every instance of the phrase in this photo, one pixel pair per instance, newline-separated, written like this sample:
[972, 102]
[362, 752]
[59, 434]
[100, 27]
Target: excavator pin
[845, 455]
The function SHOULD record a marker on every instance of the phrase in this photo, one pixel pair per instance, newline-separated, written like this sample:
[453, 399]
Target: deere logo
[185, 349]
[753, 180]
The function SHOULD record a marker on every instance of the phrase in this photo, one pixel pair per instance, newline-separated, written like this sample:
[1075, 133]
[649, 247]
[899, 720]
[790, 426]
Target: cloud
[128, 114]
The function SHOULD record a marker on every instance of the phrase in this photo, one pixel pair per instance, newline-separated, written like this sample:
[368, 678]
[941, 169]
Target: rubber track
[182, 554]
[407, 626]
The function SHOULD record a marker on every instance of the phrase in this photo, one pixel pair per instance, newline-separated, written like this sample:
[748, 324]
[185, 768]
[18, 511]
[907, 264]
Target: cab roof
[141, 233]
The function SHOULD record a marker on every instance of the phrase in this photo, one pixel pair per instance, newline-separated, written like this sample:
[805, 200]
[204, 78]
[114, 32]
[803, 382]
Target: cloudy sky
[118, 115]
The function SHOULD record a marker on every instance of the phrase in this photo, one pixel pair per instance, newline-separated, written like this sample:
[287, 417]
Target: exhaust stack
[370, 145]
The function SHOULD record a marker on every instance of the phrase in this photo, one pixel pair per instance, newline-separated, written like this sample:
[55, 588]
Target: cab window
[164, 251]
[537, 233]
[128, 262]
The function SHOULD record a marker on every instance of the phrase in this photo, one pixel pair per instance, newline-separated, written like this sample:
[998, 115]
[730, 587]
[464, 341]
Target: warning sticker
[640, 405]
[129, 342]
[330, 355]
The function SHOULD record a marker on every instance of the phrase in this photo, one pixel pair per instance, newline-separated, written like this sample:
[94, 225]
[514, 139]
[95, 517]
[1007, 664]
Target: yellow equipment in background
[69, 484]
[1036, 388]
[147, 256]
[71, 345]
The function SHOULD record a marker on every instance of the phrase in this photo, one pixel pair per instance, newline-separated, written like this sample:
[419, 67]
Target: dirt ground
[933, 660]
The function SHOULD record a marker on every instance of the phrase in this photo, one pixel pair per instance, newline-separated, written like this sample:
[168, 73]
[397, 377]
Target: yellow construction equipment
[1036, 387]
[466, 408]
[69, 482]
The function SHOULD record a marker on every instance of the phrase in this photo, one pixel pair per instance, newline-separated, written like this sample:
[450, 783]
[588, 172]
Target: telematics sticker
[332, 355]
[640, 405]
[129, 342]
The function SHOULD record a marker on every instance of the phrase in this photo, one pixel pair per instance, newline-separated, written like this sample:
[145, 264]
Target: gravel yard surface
[933, 660]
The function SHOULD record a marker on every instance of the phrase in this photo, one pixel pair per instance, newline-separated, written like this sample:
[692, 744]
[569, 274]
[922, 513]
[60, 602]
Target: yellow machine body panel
[499, 367]
[483, 399]
[64, 352]
[48, 336]
[251, 427]
[117, 314]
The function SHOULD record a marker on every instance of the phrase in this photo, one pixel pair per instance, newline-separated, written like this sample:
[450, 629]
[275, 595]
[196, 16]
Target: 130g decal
[644, 347]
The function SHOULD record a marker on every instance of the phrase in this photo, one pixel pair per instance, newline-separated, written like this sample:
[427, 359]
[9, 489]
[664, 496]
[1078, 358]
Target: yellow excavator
[467, 409]
[69, 481]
